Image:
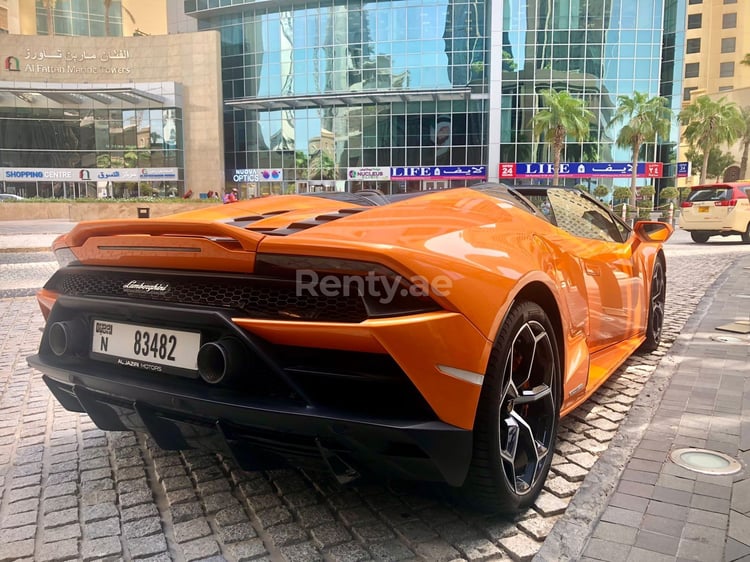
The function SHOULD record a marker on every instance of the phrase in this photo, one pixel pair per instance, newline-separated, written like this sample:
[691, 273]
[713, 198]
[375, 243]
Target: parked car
[10, 197]
[436, 336]
[719, 209]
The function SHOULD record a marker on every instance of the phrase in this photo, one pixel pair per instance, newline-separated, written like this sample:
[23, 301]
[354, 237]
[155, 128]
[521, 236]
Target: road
[71, 491]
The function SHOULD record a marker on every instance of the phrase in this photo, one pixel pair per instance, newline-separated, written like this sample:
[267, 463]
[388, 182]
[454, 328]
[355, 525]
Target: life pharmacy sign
[104, 61]
[534, 170]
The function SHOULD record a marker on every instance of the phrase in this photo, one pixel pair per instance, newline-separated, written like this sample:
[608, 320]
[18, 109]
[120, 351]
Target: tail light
[686, 204]
[726, 203]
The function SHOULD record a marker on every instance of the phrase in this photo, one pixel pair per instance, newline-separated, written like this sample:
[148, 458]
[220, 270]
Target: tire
[699, 237]
[746, 235]
[657, 298]
[518, 415]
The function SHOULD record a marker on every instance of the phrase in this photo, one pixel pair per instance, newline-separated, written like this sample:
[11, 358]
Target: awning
[350, 98]
[102, 94]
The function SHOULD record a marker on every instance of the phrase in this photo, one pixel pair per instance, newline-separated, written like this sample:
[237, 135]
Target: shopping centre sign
[88, 174]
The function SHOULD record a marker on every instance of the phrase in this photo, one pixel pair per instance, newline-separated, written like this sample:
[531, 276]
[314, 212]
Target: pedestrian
[232, 196]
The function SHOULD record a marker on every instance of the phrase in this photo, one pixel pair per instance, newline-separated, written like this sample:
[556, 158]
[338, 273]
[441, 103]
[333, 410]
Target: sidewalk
[31, 235]
[655, 510]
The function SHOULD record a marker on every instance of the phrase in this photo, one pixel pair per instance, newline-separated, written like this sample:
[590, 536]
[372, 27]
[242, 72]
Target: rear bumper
[259, 429]
[261, 435]
[735, 225]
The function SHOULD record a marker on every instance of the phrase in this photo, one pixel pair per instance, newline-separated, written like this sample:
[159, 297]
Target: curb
[25, 250]
[571, 533]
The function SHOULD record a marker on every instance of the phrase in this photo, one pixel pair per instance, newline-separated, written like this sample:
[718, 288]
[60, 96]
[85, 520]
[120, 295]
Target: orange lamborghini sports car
[435, 336]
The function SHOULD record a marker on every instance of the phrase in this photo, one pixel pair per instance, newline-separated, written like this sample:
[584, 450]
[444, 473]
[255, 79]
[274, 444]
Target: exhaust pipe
[65, 338]
[221, 360]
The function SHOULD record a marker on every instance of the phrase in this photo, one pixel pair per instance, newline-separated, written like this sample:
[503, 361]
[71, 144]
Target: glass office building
[319, 91]
[80, 18]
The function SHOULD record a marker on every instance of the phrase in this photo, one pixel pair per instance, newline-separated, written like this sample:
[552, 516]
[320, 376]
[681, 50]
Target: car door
[614, 286]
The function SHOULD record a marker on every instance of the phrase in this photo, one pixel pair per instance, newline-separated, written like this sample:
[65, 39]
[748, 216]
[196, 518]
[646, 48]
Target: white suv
[719, 209]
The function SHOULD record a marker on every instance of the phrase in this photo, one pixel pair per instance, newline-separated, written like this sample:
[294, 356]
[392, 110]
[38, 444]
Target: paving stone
[548, 504]
[62, 489]
[263, 501]
[186, 512]
[99, 496]
[347, 552]
[146, 546]
[478, 549]
[236, 533]
[174, 483]
[330, 534]
[199, 549]
[20, 519]
[142, 527]
[287, 533]
[538, 527]
[183, 495]
[584, 459]
[135, 498]
[14, 551]
[31, 504]
[72, 531]
[101, 548]
[57, 552]
[98, 512]
[274, 516]
[609, 551]
[571, 472]
[17, 534]
[230, 516]
[437, 550]
[190, 530]
[103, 528]
[139, 512]
[60, 518]
[213, 487]
[135, 485]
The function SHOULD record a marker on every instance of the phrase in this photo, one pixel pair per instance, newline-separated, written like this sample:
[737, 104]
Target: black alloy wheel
[657, 299]
[518, 414]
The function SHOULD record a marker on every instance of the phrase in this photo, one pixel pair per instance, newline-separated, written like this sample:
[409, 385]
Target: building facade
[110, 116]
[404, 95]
[716, 41]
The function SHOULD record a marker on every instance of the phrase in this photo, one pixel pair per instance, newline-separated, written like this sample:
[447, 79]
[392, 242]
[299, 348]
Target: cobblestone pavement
[70, 491]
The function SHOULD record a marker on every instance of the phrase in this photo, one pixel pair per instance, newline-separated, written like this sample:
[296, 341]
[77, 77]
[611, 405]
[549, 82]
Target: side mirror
[653, 231]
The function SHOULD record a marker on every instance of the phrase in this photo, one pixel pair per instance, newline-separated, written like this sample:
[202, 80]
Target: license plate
[702, 209]
[146, 347]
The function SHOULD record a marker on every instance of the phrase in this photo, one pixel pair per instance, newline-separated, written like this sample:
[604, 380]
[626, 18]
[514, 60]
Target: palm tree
[49, 6]
[745, 140]
[562, 115]
[709, 124]
[644, 119]
[107, 6]
[746, 60]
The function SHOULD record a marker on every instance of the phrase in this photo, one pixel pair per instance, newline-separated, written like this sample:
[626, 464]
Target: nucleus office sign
[538, 170]
[373, 173]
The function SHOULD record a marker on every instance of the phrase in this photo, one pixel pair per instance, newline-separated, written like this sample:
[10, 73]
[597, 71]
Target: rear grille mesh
[255, 297]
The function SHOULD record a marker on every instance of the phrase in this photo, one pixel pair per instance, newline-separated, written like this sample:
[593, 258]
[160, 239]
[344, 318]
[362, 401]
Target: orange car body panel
[486, 250]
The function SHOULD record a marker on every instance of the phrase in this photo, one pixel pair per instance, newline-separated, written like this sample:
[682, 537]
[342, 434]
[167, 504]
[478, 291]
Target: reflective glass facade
[51, 130]
[315, 88]
[83, 18]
